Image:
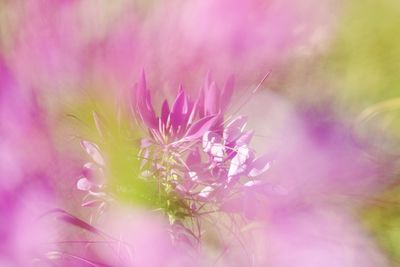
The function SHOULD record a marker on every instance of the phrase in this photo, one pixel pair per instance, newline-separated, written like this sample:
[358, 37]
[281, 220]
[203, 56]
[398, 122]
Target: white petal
[218, 150]
[206, 191]
[84, 184]
[206, 142]
[93, 151]
[238, 162]
[252, 183]
[193, 176]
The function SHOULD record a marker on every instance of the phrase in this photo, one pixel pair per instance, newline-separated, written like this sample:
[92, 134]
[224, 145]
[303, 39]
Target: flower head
[196, 156]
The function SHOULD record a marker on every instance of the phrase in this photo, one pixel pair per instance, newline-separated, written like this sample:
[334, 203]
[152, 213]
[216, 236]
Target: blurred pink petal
[316, 156]
[139, 238]
[47, 48]
[318, 237]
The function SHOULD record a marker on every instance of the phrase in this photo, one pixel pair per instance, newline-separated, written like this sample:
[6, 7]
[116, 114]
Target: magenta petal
[193, 112]
[164, 112]
[188, 112]
[142, 81]
[208, 80]
[200, 103]
[227, 92]
[143, 104]
[177, 106]
[148, 117]
[179, 109]
[212, 99]
[140, 90]
[234, 129]
[75, 221]
[200, 127]
[175, 119]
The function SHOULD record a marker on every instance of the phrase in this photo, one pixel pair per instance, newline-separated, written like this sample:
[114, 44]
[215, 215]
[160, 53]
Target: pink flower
[195, 157]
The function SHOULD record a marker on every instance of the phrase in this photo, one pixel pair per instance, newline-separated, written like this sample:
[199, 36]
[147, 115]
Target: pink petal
[238, 163]
[92, 203]
[321, 237]
[245, 138]
[93, 173]
[200, 127]
[209, 139]
[180, 110]
[193, 158]
[164, 112]
[234, 129]
[227, 92]
[201, 103]
[260, 165]
[206, 191]
[100, 125]
[212, 98]
[143, 104]
[93, 151]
